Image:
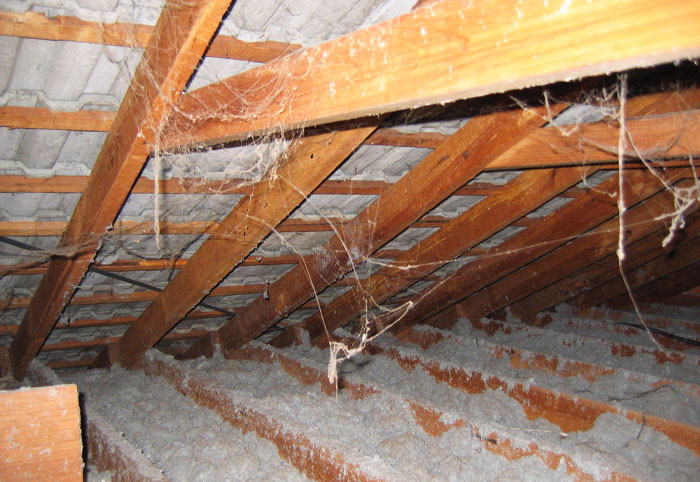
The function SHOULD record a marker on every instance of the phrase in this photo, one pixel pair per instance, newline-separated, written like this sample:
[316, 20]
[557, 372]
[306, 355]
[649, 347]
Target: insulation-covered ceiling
[279, 168]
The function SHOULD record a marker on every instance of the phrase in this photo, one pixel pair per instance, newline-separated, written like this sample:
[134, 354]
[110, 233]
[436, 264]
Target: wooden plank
[180, 38]
[639, 222]
[40, 434]
[42, 118]
[567, 222]
[300, 170]
[126, 265]
[141, 228]
[600, 281]
[38, 26]
[103, 342]
[71, 184]
[396, 138]
[443, 52]
[531, 189]
[22, 302]
[441, 173]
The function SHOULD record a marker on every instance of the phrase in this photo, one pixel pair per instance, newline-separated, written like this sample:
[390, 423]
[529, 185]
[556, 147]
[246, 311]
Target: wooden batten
[36, 25]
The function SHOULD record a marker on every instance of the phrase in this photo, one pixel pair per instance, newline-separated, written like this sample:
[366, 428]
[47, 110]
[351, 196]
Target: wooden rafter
[601, 281]
[440, 174]
[301, 169]
[666, 285]
[446, 51]
[175, 48]
[639, 222]
[36, 25]
[567, 222]
[646, 273]
[482, 272]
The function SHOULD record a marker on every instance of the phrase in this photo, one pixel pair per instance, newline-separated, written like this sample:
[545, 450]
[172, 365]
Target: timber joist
[569, 412]
[318, 459]
[429, 415]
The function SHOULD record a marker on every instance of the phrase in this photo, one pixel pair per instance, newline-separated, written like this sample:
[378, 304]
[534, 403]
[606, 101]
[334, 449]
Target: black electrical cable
[109, 274]
[28, 247]
[656, 331]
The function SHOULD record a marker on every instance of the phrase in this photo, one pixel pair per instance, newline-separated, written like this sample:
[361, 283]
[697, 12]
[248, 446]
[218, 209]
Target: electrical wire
[109, 274]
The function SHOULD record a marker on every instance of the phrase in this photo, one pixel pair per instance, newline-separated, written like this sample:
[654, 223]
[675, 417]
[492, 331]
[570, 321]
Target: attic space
[392, 240]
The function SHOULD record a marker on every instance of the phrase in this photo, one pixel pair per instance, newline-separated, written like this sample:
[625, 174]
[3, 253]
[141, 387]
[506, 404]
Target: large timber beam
[445, 51]
[514, 200]
[440, 174]
[180, 38]
[300, 170]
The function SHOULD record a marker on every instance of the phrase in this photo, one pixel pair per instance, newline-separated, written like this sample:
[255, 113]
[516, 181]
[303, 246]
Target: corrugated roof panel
[37, 206]
[255, 274]
[119, 246]
[409, 238]
[383, 163]
[319, 206]
[178, 207]
[292, 243]
[18, 285]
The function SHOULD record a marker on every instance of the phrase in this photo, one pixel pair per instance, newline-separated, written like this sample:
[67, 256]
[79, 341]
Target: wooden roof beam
[488, 268]
[601, 280]
[666, 285]
[36, 25]
[639, 222]
[179, 40]
[445, 51]
[300, 170]
[442, 172]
